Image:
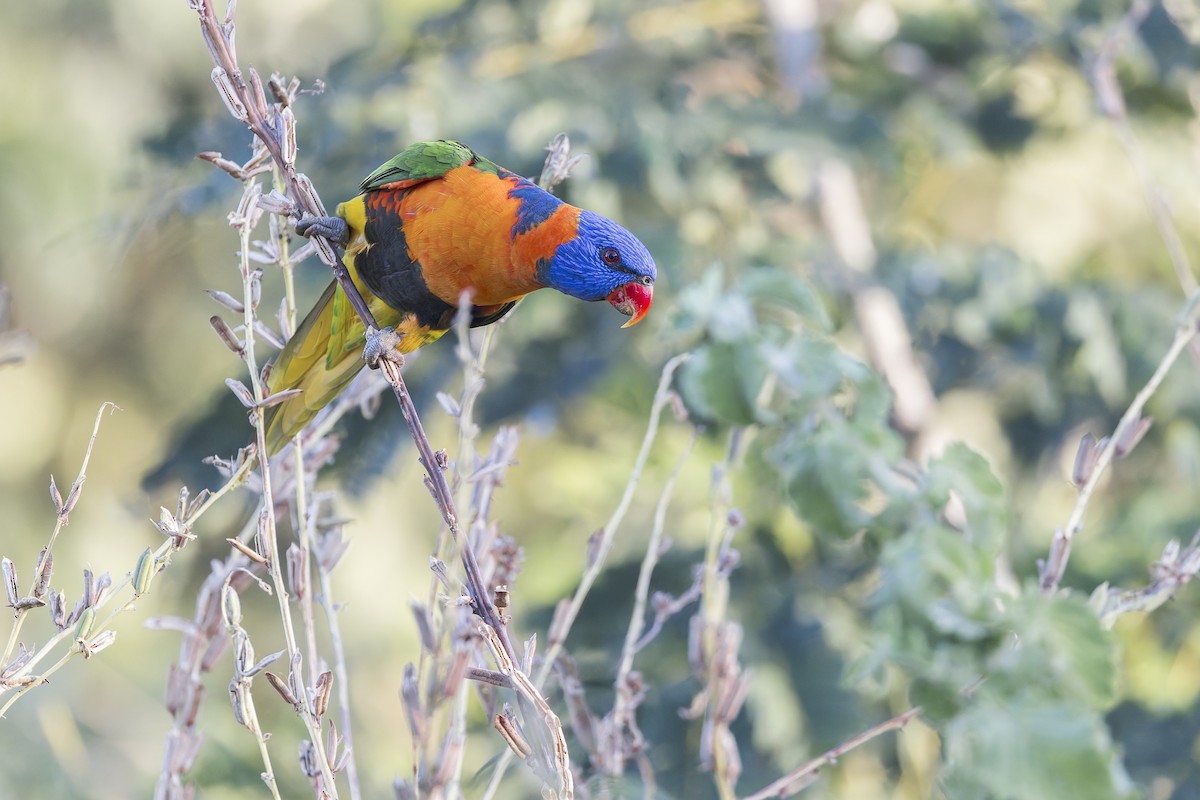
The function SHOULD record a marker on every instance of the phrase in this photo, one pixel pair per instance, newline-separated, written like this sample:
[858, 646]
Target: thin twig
[613, 751]
[718, 639]
[796, 780]
[1052, 569]
[662, 398]
[526, 689]
[62, 518]
[268, 528]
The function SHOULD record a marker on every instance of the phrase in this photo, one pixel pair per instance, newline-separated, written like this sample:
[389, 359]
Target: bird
[437, 220]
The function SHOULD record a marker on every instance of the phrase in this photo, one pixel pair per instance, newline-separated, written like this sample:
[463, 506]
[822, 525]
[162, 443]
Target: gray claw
[332, 228]
[381, 346]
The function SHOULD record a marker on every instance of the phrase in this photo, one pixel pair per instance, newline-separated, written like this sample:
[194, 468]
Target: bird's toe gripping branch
[332, 228]
[382, 346]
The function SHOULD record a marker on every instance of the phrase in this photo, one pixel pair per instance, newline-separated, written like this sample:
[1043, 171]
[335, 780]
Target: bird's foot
[382, 346]
[334, 229]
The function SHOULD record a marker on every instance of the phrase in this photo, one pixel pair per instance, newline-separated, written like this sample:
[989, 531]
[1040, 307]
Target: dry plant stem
[306, 523]
[273, 554]
[1060, 548]
[60, 522]
[473, 369]
[662, 398]
[1174, 569]
[343, 678]
[218, 35]
[637, 619]
[480, 599]
[1112, 103]
[714, 604]
[260, 737]
[303, 528]
[161, 555]
[798, 779]
[527, 690]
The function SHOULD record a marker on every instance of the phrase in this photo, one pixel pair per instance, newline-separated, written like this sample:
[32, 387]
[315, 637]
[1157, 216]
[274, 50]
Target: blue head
[604, 262]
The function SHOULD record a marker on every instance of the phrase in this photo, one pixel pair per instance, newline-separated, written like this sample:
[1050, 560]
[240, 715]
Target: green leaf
[1030, 749]
[812, 369]
[826, 474]
[708, 307]
[969, 476]
[769, 286]
[1061, 647]
[721, 383]
[943, 582]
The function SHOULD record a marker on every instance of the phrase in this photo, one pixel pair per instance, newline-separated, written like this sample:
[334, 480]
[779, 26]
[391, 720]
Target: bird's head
[604, 262]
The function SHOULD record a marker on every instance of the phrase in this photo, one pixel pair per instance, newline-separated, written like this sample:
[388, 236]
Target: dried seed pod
[58, 609]
[424, 626]
[231, 168]
[247, 551]
[237, 699]
[309, 199]
[410, 693]
[56, 497]
[255, 287]
[263, 663]
[321, 693]
[297, 570]
[97, 643]
[256, 88]
[1131, 436]
[9, 569]
[275, 203]
[226, 335]
[227, 300]
[279, 397]
[240, 392]
[72, 498]
[24, 656]
[28, 603]
[288, 119]
[280, 686]
[1085, 460]
[100, 589]
[309, 764]
[448, 404]
[511, 733]
[229, 94]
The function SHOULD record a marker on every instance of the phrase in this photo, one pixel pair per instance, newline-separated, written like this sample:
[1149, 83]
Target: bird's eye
[647, 280]
[610, 255]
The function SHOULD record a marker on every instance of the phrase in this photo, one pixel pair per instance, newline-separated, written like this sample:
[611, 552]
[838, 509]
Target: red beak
[633, 300]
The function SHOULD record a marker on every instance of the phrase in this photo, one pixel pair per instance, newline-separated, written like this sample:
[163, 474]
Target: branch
[1129, 429]
[797, 780]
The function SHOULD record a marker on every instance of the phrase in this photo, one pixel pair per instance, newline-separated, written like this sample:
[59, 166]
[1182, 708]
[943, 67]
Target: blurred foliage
[879, 570]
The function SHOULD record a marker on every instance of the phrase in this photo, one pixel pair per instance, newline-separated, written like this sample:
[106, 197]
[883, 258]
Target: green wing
[424, 161]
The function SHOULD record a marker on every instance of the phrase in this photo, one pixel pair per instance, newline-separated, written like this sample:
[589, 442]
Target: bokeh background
[988, 195]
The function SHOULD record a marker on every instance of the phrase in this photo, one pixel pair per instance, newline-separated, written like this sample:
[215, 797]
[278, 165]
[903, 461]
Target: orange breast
[459, 229]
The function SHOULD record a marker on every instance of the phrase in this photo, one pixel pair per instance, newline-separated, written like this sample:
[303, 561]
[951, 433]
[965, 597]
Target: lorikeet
[434, 221]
